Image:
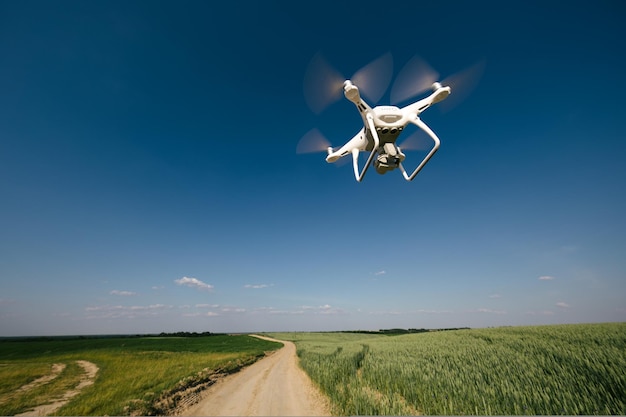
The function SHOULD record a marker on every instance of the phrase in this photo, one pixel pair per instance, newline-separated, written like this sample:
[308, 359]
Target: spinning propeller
[418, 76]
[313, 141]
[323, 84]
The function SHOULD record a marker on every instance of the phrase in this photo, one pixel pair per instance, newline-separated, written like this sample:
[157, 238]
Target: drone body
[382, 126]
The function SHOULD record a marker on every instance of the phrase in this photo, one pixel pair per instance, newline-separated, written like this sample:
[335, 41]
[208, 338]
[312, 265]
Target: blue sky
[149, 180]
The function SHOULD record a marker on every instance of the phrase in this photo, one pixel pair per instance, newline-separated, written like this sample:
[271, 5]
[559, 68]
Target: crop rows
[567, 369]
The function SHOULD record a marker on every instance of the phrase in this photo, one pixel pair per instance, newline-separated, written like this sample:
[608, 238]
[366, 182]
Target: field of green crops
[134, 372]
[564, 369]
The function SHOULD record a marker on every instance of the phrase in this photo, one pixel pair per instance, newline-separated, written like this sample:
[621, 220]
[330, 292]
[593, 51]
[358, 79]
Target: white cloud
[128, 308]
[325, 309]
[269, 310]
[488, 311]
[561, 304]
[207, 305]
[495, 296]
[408, 312]
[434, 311]
[233, 310]
[256, 286]
[279, 312]
[193, 283]
[123, 293]
[546, 278]
[383, 272]
[119, 311]
[202, 314]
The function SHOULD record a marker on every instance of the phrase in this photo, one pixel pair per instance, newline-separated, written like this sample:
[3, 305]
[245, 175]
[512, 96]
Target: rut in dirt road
[273, 386]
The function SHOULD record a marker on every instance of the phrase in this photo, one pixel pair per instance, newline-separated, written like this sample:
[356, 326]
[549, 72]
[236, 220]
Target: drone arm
[418, 122]
[420, 106]
[355, 152]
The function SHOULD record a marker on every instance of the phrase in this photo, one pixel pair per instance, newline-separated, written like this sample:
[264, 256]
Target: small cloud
[561, 304]
[495, 296]
[211, 314]
[193, 283]
[119, 311]
[546, 278]
[207, 305]
[123, 293]
[256, 286]
[157, 287]
[325, 309]
[489, 311]
[426, 311]
[383, 272]
[269, 310]
[233, 310]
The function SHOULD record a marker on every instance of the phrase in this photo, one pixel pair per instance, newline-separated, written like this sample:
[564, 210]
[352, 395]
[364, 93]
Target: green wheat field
[561, 369]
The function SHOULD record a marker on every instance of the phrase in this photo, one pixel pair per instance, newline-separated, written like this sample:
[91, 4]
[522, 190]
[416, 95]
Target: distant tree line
[188, 334]
[403, 331]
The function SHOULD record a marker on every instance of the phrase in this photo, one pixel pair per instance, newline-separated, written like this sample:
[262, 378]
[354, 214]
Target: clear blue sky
[149, 180]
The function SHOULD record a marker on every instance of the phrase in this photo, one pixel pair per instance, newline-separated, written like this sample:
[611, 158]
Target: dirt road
[273, 386]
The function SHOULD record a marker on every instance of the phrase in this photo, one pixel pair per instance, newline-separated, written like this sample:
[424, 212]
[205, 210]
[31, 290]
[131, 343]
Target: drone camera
[386, 162]
[389, 158]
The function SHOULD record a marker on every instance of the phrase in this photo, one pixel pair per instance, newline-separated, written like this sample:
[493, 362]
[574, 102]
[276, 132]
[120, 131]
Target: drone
[383, 124]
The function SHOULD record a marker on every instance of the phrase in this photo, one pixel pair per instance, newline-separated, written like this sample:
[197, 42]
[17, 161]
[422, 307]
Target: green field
[564, 369]
[135, 373]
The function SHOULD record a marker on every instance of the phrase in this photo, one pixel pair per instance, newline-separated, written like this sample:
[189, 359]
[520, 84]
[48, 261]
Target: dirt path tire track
[57, 368]
[90, 369]
[273, 386]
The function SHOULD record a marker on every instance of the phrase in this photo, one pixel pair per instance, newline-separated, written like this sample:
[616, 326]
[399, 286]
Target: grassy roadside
[135, 373]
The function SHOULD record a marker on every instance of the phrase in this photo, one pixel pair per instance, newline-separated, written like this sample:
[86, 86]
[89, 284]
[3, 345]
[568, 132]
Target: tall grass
[133, 372]
[567, 369]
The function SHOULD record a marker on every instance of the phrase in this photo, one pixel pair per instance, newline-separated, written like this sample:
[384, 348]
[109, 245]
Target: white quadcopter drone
[382, 125]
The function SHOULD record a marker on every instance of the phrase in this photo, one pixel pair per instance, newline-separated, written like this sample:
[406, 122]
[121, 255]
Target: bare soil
[272, 386]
